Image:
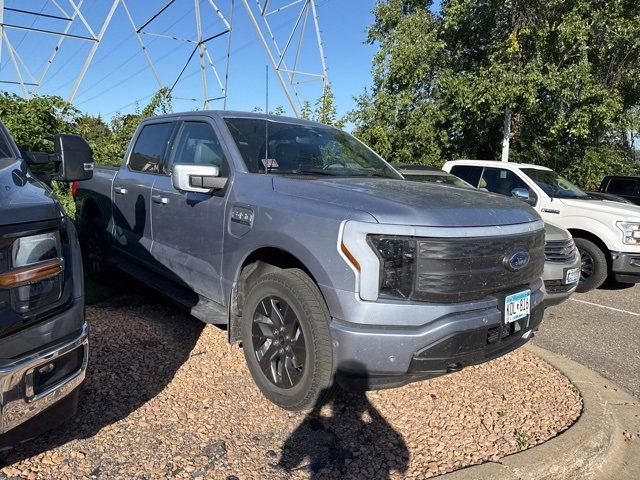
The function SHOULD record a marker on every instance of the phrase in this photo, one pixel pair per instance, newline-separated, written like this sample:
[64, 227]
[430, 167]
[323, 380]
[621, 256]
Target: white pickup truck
[607, 233]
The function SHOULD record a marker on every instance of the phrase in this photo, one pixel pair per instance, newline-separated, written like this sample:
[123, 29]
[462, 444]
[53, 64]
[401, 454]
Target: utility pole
[506, 133]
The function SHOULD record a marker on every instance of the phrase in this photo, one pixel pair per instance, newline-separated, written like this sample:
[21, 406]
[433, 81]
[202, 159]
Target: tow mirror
[74, 158]
[197, 178]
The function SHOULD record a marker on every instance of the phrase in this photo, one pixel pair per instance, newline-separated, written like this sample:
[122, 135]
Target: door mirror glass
[187, 177]
[520, 194]
[74, 158]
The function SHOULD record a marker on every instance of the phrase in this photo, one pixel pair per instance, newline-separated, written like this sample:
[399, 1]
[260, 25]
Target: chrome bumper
[18, 401]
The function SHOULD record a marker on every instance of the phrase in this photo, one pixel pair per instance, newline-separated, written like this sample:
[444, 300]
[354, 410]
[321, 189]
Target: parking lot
[167, 397]
[600, 329]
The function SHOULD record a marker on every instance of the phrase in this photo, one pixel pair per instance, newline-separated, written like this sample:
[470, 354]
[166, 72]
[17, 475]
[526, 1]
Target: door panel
[132, 191]
[188, 227]
[132, 213]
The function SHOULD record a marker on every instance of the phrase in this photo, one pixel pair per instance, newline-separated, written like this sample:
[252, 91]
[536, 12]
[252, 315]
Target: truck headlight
[397, 257]
[35, 271]
[630, 231]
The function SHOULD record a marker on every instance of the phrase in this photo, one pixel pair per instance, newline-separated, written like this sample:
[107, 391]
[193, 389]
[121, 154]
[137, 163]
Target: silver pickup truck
[322, 261]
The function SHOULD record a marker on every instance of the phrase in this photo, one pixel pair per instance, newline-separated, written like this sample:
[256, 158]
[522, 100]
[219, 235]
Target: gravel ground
[167, 396]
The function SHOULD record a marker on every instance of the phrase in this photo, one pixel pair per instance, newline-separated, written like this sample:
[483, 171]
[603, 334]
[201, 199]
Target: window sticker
[269, 163]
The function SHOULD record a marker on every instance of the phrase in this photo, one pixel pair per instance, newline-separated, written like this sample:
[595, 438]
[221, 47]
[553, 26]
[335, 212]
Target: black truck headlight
[35, 271]
[397, 257]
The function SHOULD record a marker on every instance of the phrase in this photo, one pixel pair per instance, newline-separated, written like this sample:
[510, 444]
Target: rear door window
[623, 186]
[468, 173]
[150, 147]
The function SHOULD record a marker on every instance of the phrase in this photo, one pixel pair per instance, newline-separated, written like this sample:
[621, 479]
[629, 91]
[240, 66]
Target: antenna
[267, 166]
[266, 93]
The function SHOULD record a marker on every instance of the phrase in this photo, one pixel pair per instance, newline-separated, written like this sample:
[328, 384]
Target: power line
[112, 71]
[240, 48]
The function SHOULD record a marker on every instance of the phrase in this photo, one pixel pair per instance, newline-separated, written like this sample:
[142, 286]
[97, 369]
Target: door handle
[159, 199]
[120, 190]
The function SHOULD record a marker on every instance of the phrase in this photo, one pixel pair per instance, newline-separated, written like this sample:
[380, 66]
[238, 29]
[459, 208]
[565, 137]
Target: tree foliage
[33, 122]
[569, 70]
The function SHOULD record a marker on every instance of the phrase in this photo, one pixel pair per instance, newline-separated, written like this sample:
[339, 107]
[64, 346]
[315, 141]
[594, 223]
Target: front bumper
[557, 290]
[626, 267]
[377, 356]
[28, 387]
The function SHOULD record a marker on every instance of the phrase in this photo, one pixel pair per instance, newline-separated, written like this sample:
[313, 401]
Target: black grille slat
[462, 269]
[556, 286]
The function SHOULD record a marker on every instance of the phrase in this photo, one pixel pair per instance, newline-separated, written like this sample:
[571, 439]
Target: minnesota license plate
[517, 306]
[572, 275]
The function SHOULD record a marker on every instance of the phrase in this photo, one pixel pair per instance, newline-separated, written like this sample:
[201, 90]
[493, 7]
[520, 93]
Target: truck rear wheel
[286, 341]
[594, 265]
[92, 239]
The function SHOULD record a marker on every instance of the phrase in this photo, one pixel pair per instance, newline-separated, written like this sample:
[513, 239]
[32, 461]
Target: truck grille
[461, 269]
[560, 251]
[556, 286]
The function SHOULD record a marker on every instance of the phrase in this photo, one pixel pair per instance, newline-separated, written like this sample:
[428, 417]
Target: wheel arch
[257, 263]
[592, 237]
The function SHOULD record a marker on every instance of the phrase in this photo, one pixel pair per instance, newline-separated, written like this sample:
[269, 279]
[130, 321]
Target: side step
[202, 308]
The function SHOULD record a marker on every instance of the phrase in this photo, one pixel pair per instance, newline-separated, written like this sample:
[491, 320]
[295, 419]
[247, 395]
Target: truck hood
[404, 202]
[621, 211]
[22, 197]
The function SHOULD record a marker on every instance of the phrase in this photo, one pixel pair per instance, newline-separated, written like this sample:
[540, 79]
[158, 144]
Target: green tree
[306, 111]
[325, 111]
[569, 70]
[33, 122]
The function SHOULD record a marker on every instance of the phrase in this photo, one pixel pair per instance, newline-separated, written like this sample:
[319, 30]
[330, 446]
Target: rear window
[150, 147]
[622, 186]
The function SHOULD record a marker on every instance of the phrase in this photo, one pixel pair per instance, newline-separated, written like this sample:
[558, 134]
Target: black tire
[285, 295]
[595, 268]
[93, 247]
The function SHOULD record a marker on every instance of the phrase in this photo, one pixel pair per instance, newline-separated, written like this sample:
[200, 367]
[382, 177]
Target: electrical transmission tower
[297, 57]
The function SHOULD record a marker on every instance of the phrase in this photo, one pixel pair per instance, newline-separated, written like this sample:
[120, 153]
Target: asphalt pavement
[599, 329]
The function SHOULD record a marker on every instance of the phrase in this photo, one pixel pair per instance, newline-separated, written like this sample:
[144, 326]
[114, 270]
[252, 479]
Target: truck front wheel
[594, 265]
[285, 339]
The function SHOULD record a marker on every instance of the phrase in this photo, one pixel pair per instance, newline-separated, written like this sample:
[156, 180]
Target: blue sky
[119, 78]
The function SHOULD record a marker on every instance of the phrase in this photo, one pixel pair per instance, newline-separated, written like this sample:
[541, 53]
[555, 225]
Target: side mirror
[74, 158]
[520, 194]
[197, 178]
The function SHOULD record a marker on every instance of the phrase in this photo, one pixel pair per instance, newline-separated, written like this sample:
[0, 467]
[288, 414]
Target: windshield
[286, 148]
[437, 178]
[553, 184]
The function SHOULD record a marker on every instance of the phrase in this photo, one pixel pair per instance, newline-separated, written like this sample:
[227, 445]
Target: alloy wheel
[278, 342]
[587, 266]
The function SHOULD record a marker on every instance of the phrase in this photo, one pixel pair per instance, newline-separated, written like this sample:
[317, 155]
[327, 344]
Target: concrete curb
[594, 447]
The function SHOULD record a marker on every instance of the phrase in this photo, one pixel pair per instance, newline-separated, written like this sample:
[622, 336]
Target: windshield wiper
[303, 172]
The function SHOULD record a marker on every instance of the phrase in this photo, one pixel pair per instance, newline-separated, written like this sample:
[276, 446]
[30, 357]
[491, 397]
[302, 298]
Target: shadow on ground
[610, 284]
[345, 436]
[137, 344]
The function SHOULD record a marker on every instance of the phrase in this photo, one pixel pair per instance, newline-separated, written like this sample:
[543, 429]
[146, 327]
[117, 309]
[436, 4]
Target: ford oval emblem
[516, 261]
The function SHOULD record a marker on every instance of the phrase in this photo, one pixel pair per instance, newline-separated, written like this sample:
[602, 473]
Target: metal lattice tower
[303, 40]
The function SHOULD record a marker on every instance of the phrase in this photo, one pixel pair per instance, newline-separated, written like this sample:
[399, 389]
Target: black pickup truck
[43, 334]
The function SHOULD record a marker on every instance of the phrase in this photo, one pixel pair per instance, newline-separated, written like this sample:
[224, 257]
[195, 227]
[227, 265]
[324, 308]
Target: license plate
[517, 306]
[572, 275]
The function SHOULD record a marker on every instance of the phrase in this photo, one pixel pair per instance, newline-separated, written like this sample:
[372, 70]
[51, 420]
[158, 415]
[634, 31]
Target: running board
[202, 308]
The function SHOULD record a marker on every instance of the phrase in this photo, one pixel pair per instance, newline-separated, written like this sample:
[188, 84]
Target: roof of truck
[495, 163]
[237, 114]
